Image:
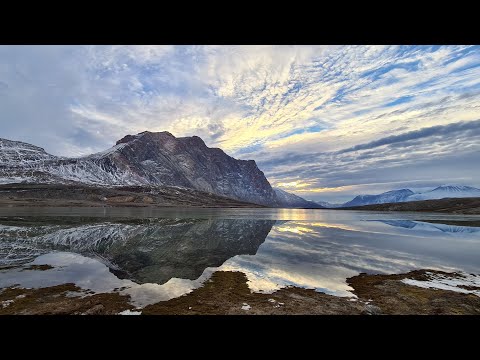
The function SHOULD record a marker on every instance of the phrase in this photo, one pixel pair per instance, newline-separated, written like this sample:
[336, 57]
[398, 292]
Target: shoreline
[462, 206]
[227, 293]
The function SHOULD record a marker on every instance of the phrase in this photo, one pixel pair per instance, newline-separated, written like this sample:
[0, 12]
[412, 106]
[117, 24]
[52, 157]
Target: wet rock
[372, 310]
[95, 310]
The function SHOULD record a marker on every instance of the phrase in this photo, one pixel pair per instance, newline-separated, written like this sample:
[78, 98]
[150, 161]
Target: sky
[324, 122]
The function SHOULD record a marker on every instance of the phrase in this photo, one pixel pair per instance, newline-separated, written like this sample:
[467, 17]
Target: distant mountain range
[407, 195]
[386, 197]
[160, 159]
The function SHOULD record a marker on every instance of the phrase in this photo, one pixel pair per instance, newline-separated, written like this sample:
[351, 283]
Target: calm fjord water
[158, 254]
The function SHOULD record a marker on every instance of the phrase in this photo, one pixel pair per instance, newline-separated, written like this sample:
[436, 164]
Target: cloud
[472, 126]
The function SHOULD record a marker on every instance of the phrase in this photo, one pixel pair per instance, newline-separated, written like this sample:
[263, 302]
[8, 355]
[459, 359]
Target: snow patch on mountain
[107, 152]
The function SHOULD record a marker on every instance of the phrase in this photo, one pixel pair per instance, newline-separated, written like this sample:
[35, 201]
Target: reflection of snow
[426, 226]
[246, 307]
[129, 312]
[439, 281]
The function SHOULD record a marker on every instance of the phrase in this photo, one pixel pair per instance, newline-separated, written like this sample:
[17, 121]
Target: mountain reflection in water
[153, 252]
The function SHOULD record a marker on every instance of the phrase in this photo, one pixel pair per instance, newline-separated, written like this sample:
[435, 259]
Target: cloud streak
[473, 127]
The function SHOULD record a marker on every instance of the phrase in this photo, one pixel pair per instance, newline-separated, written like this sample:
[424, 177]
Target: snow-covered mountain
[446, 191]
[20, 153]
[19, 161]
[386, 197]
[286, 199]
[406, 195]
[148, 158]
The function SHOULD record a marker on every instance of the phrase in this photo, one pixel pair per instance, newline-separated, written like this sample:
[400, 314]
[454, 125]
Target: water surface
[158, 254]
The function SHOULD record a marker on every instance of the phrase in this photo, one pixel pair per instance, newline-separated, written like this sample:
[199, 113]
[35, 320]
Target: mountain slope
[447, 191]
[286, 199]
[147, 158]
[78, 195]
[386, 197]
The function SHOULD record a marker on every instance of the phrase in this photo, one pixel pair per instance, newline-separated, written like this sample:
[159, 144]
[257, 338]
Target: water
[158, 254]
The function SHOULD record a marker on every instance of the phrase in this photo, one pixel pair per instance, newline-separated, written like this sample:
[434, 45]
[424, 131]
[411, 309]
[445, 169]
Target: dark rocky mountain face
[143, 159]
[164, 159]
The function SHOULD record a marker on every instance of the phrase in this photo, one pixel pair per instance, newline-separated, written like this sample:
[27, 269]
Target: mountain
[18, 161]
[406, 195]
[20, 153]
[327, 205]
[148, 158]
[286, 199]
[447, 191]
[393, 196]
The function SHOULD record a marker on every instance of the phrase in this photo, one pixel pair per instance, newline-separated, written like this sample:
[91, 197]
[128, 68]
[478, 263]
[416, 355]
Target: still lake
[158, 254]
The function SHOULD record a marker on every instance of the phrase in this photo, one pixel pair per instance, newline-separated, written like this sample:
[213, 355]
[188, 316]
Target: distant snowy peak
[386, 197]
[447, 191]
[406, 195]
[328, 205]
[286, 199]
